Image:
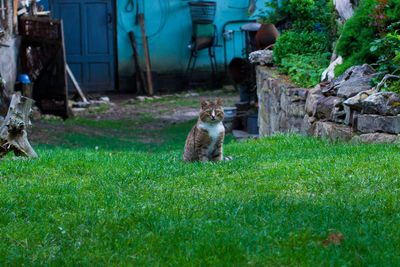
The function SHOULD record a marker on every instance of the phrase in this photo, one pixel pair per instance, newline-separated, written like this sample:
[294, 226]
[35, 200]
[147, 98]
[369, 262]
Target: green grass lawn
[272, 205]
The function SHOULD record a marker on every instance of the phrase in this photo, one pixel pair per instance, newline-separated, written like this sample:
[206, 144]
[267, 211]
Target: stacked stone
[347, 109]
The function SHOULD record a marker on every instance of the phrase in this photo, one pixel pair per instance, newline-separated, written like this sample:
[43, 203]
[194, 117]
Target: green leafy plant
[305, 70]
[299, 15]
[293, 43]
[387, 48]
[355, 42]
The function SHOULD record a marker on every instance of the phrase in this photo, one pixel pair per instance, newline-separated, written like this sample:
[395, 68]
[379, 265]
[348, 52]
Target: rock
[375, 138]
[344, 8]
[242, 135]
[338, 113]
[355, 85]
[263, 57]
[313, 95]
[367, 123]
[332, 131]
[191, 94]
[76, 111]
[81, 104]
[105, 99]
[142, 98]
[351, 117]
[35, 114]
[382, 103]
[355, 102]
[292, 101]
[329, 73]
[308, 125]
[356, 79]
[323, 107]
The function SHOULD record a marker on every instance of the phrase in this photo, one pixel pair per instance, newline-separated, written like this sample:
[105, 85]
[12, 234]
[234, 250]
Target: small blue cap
[24, 78]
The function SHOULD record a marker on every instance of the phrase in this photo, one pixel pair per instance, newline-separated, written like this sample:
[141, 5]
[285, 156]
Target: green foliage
[302, 15]
[291, 42]
[391, 86]
[357, 36]
[305, 70]
[311, 33]
[388, 50]
[272, 205]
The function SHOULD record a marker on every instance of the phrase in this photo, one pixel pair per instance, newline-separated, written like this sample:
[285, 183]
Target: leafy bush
[388, 50]
[357, 36]
[305, 70]
[300, 15]
[298, 50]
[291, 42]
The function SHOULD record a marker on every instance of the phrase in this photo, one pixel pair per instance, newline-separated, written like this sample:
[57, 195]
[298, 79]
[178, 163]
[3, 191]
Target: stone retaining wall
[327, 112]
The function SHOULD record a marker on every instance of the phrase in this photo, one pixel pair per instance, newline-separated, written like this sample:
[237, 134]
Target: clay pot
[266, 36]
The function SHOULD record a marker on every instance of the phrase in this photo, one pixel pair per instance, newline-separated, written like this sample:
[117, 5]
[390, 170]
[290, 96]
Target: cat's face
[211, 112]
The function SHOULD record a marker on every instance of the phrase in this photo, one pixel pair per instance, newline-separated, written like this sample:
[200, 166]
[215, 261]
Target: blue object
[23, 78]
[252, 123]
[89, 41]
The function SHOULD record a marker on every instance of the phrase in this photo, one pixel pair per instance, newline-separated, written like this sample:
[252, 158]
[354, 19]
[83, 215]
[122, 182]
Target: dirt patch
[127, 118]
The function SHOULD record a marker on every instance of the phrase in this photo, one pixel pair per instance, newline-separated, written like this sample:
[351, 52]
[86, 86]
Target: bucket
[252, 123]
[230, 115]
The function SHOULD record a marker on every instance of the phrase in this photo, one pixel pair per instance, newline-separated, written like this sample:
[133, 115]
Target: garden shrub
[305, 70]
[309, 34]
[355, 42]
[291, 42]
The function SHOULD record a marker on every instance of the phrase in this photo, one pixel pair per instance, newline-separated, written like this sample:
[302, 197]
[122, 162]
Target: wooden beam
[75, 83]
[146, 55]
[140, 79]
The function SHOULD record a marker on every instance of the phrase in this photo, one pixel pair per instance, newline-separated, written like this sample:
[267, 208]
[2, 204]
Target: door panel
[89, 41]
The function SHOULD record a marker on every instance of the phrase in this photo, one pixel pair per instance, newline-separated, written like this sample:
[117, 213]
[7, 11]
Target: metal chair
[204, 36]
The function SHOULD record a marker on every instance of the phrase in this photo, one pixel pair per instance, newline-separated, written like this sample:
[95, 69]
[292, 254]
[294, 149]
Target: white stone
[329, 73]
[344, 8]
[261, 56]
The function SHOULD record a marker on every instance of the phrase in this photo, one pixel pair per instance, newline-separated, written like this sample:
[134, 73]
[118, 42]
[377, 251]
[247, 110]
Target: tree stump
[13, 136]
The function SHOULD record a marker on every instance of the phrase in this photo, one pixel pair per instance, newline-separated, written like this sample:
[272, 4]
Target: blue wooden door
[89, 41]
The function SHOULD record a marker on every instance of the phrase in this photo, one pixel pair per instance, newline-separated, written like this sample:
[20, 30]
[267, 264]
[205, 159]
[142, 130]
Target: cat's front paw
[228, 158]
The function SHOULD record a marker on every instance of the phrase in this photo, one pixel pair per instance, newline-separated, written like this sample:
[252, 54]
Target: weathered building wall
[9, 55]
[9, 62]
[169, 30]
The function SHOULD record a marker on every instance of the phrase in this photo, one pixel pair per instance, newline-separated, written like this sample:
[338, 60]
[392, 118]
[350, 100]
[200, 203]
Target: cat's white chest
[214, 131]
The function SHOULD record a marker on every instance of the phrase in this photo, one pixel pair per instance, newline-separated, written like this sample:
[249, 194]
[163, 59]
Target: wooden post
[13, 136]
[140, 79]
[75, 83]
[146, 55]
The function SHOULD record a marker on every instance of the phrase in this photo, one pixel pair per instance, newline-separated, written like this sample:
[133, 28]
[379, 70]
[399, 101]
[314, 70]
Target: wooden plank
[64, 74]
[15, 11]
[140, 79]
[146, 55]
[76, 85]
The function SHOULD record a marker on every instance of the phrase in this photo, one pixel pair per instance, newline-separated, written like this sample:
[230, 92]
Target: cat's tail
[228, 158]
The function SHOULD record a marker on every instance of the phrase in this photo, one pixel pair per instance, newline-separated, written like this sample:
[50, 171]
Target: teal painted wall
[169, 27]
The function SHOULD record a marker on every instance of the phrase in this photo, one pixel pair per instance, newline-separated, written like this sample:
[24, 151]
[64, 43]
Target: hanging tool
[130, 6]
[146, 55]
[137, 13]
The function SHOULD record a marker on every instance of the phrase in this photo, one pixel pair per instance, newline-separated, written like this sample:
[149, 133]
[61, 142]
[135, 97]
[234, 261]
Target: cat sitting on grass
[204, 142]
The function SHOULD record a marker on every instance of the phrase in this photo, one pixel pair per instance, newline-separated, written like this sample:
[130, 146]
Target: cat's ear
[203, 103]
[219, 101]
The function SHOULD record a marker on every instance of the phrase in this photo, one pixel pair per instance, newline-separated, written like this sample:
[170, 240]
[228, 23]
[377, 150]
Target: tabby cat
[204, 142]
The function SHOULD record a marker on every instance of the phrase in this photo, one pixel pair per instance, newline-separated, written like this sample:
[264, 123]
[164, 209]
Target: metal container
[202, 11]
[230, 115]
[252, 123]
